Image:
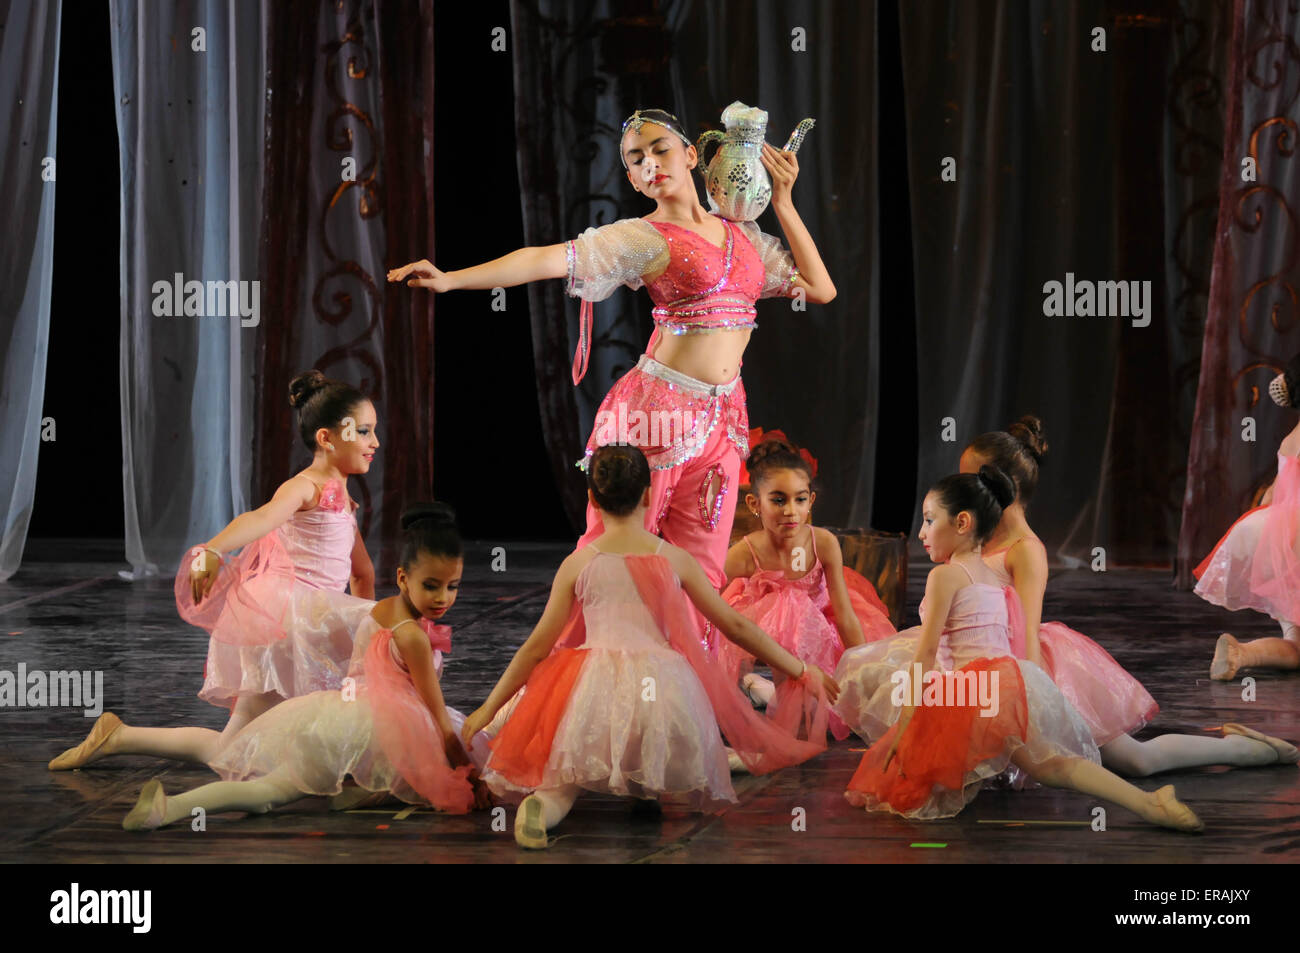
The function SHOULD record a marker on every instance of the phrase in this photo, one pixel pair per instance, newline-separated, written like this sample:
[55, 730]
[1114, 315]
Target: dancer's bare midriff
[713, 358]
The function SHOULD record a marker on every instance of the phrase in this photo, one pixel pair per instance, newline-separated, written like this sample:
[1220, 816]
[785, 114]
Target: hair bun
[999, 484]
[302, 387]
[1028, 430]
[438, 514]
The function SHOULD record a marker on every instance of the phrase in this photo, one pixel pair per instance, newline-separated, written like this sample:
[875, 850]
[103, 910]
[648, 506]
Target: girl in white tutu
[281, 622]
[968, 709]
[387, 728]
[636, 709]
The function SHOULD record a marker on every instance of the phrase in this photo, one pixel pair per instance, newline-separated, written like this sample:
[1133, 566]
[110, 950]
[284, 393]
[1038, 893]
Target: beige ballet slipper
[103, 729]
[150, 810]
[1287, 753]
[529, 830]
[1227, 659]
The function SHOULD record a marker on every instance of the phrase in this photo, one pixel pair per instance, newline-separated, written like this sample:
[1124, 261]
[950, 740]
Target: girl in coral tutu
[636, 711]
[1111, 701]
[953, 706]
[819, 612]
[387, 728]
[281, 623]
[704, 274]
[1255, 565]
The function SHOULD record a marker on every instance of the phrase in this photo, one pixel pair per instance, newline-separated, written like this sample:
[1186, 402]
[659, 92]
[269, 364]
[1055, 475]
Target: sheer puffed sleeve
[778, 264]
[602, 259]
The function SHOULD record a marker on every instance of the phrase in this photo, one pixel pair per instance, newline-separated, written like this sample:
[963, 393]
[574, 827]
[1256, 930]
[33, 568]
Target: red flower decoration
[757, 435]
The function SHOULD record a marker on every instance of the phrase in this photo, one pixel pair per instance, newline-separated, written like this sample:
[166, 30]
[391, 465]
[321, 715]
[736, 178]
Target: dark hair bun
[1029, 431]
[302, 387]
[617, 475]
[999, 484]
[774, 453]
[437, 515]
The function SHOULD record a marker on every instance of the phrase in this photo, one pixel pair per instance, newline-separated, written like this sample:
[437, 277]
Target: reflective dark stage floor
[67, 609]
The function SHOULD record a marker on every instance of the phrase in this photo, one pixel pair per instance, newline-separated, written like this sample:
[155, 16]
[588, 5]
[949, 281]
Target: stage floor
[67, 609]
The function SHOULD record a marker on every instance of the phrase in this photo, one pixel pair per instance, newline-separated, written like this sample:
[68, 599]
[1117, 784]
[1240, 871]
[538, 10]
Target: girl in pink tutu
[636, 711]
[953, 706]
[387, 728]
[281, 623]
[1255, 565]
[684, 403]
[817, 613]
[1111, 701]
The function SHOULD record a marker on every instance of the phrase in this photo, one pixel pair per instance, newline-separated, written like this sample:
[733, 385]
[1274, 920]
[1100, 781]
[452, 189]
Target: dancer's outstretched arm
[538, 645]
[814, 279]
[293, 494]
[533, 263]
[735, 626]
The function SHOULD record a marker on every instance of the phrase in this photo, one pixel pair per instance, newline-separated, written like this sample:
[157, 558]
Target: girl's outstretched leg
[110, 736]
[1240, 746]
[1231, 655]
[1159, 807]
[154, 809]
[541, 811]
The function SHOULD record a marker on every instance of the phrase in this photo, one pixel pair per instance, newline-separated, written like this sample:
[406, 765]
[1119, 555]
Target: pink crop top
[699, 287]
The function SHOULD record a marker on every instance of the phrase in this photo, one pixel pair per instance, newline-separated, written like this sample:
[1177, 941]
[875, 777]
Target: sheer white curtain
[189, 82]
[29, 98]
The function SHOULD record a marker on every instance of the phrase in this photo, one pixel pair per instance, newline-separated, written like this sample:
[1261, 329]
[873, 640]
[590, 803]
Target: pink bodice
[439, 641]
[616, 617]
[705, 287]
[978, 625]
[812, 583]
[319, 541]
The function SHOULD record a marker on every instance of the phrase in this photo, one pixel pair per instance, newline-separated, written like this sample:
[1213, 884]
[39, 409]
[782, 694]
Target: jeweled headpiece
[1277, 390]
[657, 117]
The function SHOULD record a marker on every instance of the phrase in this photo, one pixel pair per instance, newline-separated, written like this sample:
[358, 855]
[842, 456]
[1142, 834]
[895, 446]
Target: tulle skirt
[636, 724]
[1254, 566]
[1108, 698]
[313, 655]
[319, 740]
[946, 752]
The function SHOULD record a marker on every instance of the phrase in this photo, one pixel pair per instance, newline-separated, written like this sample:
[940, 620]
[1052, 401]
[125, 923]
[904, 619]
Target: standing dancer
[1254, 565]
[1111, 701]
[637, 711]
[817, 613]
[972, 709]
[281, 623]
[704, 274]
[389, 730]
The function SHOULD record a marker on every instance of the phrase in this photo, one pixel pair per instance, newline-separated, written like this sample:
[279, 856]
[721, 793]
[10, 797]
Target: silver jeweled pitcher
[738, 186]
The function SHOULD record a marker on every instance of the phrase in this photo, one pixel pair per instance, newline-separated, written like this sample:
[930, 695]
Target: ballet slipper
[1286, 752]
[1227, 659]
[529, 830]
[735, 763]
[1174, 813]
[104, 728]
[149, 811]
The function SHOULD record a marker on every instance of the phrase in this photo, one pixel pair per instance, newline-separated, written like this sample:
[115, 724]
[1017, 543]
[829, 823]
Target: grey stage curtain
[580, 68]
[190, 124]
[29, 95]
[813, 374]
[1064, 165]
[1253, 325]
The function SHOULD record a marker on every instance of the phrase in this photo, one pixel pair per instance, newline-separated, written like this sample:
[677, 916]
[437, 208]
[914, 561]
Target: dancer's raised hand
[422, 274]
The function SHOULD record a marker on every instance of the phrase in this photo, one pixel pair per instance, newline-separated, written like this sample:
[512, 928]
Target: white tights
[253, 797]
[196, 745]
[1138, 759]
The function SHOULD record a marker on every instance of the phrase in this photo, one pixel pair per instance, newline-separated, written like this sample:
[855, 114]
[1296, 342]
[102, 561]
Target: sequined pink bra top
[702, 288]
